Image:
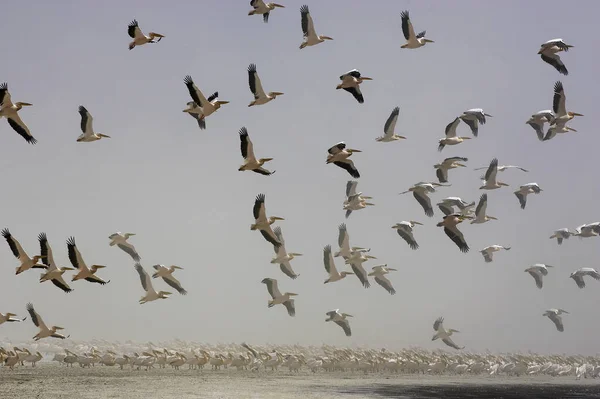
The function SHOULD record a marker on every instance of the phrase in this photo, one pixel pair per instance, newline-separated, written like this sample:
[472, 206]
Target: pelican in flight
[262, 223]
[489, 180]
[120, 240]
[502, 168]
[443, 334]
[538, 120]
[330, 268]
[44, 330]
[488, 252]
[447, 206]
[447, 164]
[283, 258]
[285, 299]
[11, 112]
[151, 294]
[561, 234]
[19, 253]
[389, 127]
[480, 216]
[10, 318]
[529, 188]
[341, 320]
[549, 53]
[379, 273]
[256, 88]
[250, 161]
[85, 273]
[405, 230]
[538, 271]
[354, 201]
[166, 273]
[578, 275]
[587, 230]
[262, 8]
[473, 117]
[138, 36]
[350, 82]
[87, 128]
[195, 112]
[450, 225]
[451, 137]
[356, 259]
[53, 272]
[308, 29]
[338, 155]
[344, 243]
[554, 315]
[207, 106]
[562, 116]
[420, 191]
[412, 40]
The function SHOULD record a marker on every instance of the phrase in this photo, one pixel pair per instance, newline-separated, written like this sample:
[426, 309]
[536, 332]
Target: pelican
[473, 117]
[88, 134]
[405, 230]
[554, 315]
[561, 234]
[450, 223]
[388, 128]
[256, 88]
[538, 120]
[262, 8]
[284, 299]
[10, 318]
[480, 216]
[53, 272]
[250, 161]
[379, 273]
[166, 273]
[195, 112]
[447, 206]
[120, 240]
[350, 82]
[489, 180]
[420, 191]
[587, 230]
[151, 294]
[208, 106]
[11, 112]
[447, 164]
[578, 275]
[548, 52]
[262, 223]
[308, 29]
[558, 127]
[443, 334]
[538, 271]
[44, 330]
[525, 189]
[412, 40]
[356, 259]
[330, 268]
[138, 36]
[341, 320]
[488, 252]
[451, 138]
[344, 243]
[88, 274]
[283, 257]
[338, 155]
[19, 253]
[559, 104]
[354, 201]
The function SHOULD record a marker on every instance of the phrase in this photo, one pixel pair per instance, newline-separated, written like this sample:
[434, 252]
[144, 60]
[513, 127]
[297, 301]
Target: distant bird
[389, 127]
[379, 273]
[344, 243]
[208, 106]
[10, 318]
[341, 320]
[488, 252]
[283, 258]
[88, 274]
[578, 275]
[308, 29]
[53, 272]
[166, 273]
[330, 268]
[138, 36]
[529, 188]
[548, 52]
[562, 116]
[11, 112]
[151, 294]
[44, 330]
[412, 40]
[285, 299]
[354, 200]
[587, 230]
[260, 7]
[256, 88]
[489, 180]
[561, 234]
[88, 134]
[480, 216]
[350, 82]
[19, 253]
[447, 164]
[538, 271]
[538, 120]
[502, 168]
[450, 225]
[451, 138]
[120, 240]
[443, 334]
[356, 259]
[420, 192]
[473, 117]
[554, 315]
[447, 206]
[405, 230]
[338, 155]
[250, 161]
[262, 223]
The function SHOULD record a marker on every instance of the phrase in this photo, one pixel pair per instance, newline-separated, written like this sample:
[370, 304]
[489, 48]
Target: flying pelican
[250, 161]
[260, 7]
[166, 273]
[341, 320]
[447, 206]
[354, 201]
[262, 223]
[151, 294]
[578, 275]
[502, 168]
[53, 272]
[480, 216]
[473, 117]
[525, 189]
[443, 334]
[284, 299]
[138, 36]
[488, 252]
[256, 88]
[587, 230]
[537, 271]
[44, 330]
[356, 260]
[412, 40]
[559, 104]
[120, 240]
[489, 180]
[344, 243]
[548, 52]
[350, 82]
[283, 257]
[338, 155]
[558, 127]
[19, 253]
[88, 134]
[447, 164]
[208, 106]
[554, 315]
[11, 112]
[451, 138]
[10, 318]
[379, 272]
[308, 29]
[538, 120]
[88, 274]
[195, 112]
[388, 128]
[405, 230]
[450, 223]
[561, 234]
[420, 191]
[334, 275]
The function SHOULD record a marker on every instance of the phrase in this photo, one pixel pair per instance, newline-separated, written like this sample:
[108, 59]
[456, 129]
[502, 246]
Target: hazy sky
[178, 187]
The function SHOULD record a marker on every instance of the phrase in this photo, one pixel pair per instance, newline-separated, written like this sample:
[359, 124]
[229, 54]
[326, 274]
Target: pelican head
[272, 219]
[177, 267]
[344, 274]
[56, 328]
[274, 94]
[127, 235]
[325, 38]
[453, 331]
[263, 160]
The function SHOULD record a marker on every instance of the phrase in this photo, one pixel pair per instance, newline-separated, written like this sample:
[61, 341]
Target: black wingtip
[252, 68]
[5, 233]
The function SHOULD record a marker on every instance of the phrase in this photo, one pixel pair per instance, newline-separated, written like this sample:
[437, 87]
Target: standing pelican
[548, 52]
[166, 273]
[151, 294]
[538, 120]
[87, 128]
[489, 180]
[19, 253]
[350, 82]
[262, 8]
[10, 318]
[283, 257]
[389, 127]
[450, 223]
[330, 268]
[344, 243]
[262, 223]
[88, 274]
[256, 88]
[480, 216]
[412, 40]
[338, 155]
[138, 36]
[561, 234]
[356, 259]
[120, 240]
[405, 230]
[11, 112]
[443, 334]
[284, 299]
[473, 117]
[578, 275]
[529, 188]
[308, 29]
[379, 273]
[341, 320]
[451, 137]
[44, 330]
[420, 191]
[208, 106]
[250, 161]
[538, 271]
[488, 252]
[447, 164]
[554, 315]
[53, 272]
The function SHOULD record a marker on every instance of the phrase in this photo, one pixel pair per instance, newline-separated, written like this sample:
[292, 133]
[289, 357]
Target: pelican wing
[351, 188]
[438, 324]
[361, 274]
[349, 167]
[308, 29]
[134, 31]
[448, 341]
[555, 61]
[259, 208]
[328, 261]
[144, 277]
[446, 209]
[95, 279]
[537, 277]
[457, 237]
[522, 199]
[345, 324]
[195, 93]
[61, 283]
[425, 202]
[75, 255]
[46, 251]
[356, 93]
[559, 101]
[14, 245]
[270, 236]
[246, 145]
[442, 175]
[557, 320]
[487, 255]
[538, 126]
[337, 148]
[385, 283]
[407, 27]
[5, 99]
[579, 280]
[289, 305]
[86, 120]
[481, 206]
[254, 82]
[451, 128]
[36, 318]
[286, 268]
[343, 237]
[473, 124]
[263, 171]
[130, 249]
[407, 236]
[492, 171]
[14, 120]
[173, 282]
[272, 287]
[390, 123]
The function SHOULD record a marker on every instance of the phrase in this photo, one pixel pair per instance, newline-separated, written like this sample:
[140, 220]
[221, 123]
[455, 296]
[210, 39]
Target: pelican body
[151, 293]
[84, 273]
[250, 160]
[262, 223]
[166, 273]
[450, 223]
[389, 127]
[339, 154]
[451, 137]
[278, 298]
[350, 82]
[53, 272]
[548, 52]
[330, 268]
[120, 240]
[44, 332]
[139, 39]
[443, 334]
[340, 319]
[262, 8]
[405, 230]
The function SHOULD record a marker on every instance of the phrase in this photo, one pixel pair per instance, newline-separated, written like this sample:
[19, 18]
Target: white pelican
[338, 155]
[151, 294]
[308, 29]
[502, 168]
[559, 105]
[350, 82]
[44, 330]
[389, 127]
[283, 257]
[451, 137]
[53, 272]
[561, 234]
[447, 164]
[587, 230]
[88, 274]
[138, 36]
[356, 259]
[447, 206]
[88, 134]
[120, 240]
[19, 253]
[489, 180]
[284, 299]
[548, 52]
[554, 315]
[11, 112]
[262, 223]
[10, 318]
[488, 252]
[262, 8]
[480, 216]
[166, 273]
[208, 106]
[525, 189]
[344, 243]
[250, 161]
[354, 200]
[341, 320]
[443, 334]
[538, 120]
[420, 191]
[412, 40]
[450, 223]
[405, 230]
[330, 268]
[558, 127]
[256, 88]
[578, 275]
[473, 117]
[538, 271]
[379, 273]
[195, 112]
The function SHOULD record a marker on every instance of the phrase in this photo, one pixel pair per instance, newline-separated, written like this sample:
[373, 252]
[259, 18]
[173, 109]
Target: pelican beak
[277, 218]
[68, 268]
[429, 41]
[540, 52]
[131, 234]
[493, 218]
[292, 294]
[278, 5]
[571, 129]
[488, 115]
[370, 257]
[349, 315]
[402, 137]
[351, 150]
[103, 135]
[338, 87]
[365, 78]
[326, 38]
[294, 254]
[29, 105]
[466, 138]
[267, 159]
[576, 114]
[460, 164]
[167, 293]
[223, 102]
[277, 93]
[99, 266]
[58, 328]
[394, 270]
[371, 274]
[421, 224]
[177, 267]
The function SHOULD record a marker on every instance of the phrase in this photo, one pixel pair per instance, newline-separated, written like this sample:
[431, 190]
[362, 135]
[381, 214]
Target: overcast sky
[178, 187]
